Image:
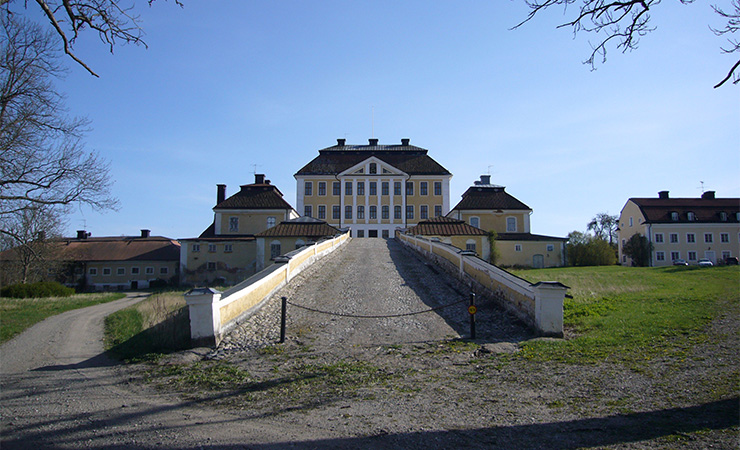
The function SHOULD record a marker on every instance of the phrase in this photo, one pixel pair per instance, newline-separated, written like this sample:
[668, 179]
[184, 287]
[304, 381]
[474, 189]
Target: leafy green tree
[584, 249]
[494, 253]
[639, 249]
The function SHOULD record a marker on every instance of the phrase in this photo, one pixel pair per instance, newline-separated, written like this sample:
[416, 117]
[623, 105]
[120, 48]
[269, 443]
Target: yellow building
[489, 207]
[456, 233]
[108, 263]
[290, 235]
[686, 229]
[226, 252]
[373, 189]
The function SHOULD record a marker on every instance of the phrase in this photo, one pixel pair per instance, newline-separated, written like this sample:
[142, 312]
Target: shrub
[41, 289]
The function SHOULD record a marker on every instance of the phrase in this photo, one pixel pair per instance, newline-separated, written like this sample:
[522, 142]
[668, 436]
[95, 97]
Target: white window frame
[509, 221]
[271, 221]
[322, 212]
[308, 188]
[93, 271]
[322, 188]
[724, 238]
[517, 247]
[228, 248]
[135, 271]
[164, 271]
[475, 221]
[149, 270]
[659, 238]
[660, 256]
[550, 247]
[690, 238]
[673, 237]
[211, 248]
[691, 256]
[275, 249]
[234, 223]
[121, 271]
[107, 271]
[708, 238]
[196, 248]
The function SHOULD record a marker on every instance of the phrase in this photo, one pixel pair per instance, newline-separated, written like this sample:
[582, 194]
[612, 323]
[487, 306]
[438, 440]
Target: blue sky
[228, 86]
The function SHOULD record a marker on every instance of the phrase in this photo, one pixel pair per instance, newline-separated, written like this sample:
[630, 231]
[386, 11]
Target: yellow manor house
[373, 189]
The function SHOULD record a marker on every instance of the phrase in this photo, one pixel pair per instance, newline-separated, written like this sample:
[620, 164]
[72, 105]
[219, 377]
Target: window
[270, 222]
[211, 248]
[475, 222]
[322, 212]
[397, 212]
[692, 256]
[631, 221]
[409, 211]
[437, 188]
[550, 248]
[196, 248]
[308, 190]
[708, 238]
[121, 271]
[373, 188]
[149, 270]
[134, 271]
[423, 212]
[360, 188]
[675, 256]
[690, 238]
[511, 224]
[106, 270]
[335, 212]
[470, 245]
[228, 248]
[726, 254]
[674, 216]
[437, 210]
[348, 212]
[360, 212]
[397, 188]
[274, 249]
[691, 216]
[373, 168]
[373, 212]
[385, 212]
[307, 211]
[211, 266]
[723, 216]
[322, 187]
[659, 256]
[384, 188]
[674, 238]
[163, 271]
[518, 247]
[336, 188]
[233, 224]
[423, 188]
[737, 216]
[385, 234]
[724, 238]
[409, 188]
[348, 188]
[658, 238]
[360, 233]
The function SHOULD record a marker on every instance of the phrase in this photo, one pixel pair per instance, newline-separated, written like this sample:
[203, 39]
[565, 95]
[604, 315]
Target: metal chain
[359, 316]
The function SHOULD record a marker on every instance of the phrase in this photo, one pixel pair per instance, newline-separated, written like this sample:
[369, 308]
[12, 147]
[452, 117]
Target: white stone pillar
[205, 317]
[548, 299]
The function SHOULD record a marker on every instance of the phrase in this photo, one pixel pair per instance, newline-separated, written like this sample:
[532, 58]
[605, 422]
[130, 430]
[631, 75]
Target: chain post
[282, 318]
[472, 310]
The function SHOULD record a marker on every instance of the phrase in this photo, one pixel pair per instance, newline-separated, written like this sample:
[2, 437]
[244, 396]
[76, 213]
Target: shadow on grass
[170, 335]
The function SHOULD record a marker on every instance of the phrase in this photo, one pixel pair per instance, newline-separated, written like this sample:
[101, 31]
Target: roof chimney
[82, 234]
[709, 195]
[373, 141]
[220, 193]
[405, 141]
[485, 179]
[340, 142]
[145, 233]
[259, 178]
[663, 194]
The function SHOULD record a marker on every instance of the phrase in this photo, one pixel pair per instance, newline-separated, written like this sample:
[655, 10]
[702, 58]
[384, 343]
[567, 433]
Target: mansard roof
[706, 209]
[301, 227]
[489, 197]
[405, 157]
[445, 226]
[255, 196]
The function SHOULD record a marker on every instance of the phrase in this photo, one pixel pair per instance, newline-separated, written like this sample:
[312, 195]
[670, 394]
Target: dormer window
[691, 216]
[723, 216]
[674, 216]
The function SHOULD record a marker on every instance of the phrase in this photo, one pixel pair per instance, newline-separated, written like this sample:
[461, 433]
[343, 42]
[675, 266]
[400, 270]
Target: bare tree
[625, 22]
[42, 159]
[113, 23]
[604, 227]
[30, 244]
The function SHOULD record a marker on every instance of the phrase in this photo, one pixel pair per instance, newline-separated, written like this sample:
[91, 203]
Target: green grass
[635, 314]
[159, 324]
[18, 314]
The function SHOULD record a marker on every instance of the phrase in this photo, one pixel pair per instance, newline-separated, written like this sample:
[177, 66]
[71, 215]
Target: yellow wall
[508, 256]
[491, 221]
[234, 266]
[249, 223]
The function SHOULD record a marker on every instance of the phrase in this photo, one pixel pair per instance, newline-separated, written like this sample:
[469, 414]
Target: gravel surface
[344, 383]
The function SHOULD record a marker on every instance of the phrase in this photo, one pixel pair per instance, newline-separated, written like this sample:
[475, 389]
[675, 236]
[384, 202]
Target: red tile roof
[445, 226]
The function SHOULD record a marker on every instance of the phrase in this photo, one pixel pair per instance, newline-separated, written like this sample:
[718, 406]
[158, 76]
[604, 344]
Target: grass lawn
[635, 314]
[18, 314]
